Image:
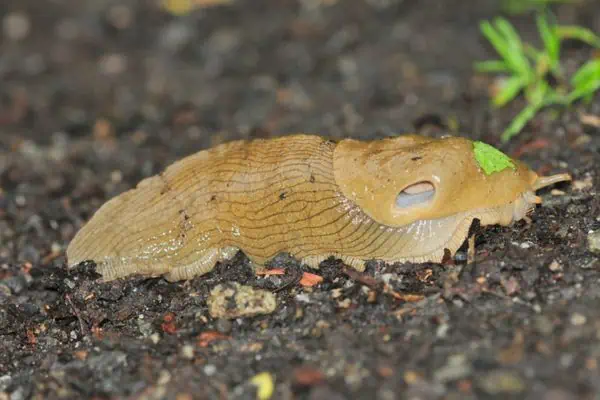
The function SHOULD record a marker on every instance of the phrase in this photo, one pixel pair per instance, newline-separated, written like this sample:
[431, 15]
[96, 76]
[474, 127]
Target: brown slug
[408, 198]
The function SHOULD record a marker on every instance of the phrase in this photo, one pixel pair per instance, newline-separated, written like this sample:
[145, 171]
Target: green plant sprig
[527, 68]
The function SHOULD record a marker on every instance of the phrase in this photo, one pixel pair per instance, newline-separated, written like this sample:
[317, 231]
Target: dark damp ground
[96, 95]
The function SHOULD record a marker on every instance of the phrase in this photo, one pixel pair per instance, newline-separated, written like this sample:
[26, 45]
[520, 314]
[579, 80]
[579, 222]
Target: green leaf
[491, 159]
[578, 33]
[537, 93]
[515, 52]
[510, 89]
[491, 66]
[550, 39]
[586, 81]
[584, 90]
[519, 122]
[496, 40]
[523, 6]
[507, 43]
[589, 70]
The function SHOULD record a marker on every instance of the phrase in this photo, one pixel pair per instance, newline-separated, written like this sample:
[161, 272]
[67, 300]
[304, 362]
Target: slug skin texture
[408, 198]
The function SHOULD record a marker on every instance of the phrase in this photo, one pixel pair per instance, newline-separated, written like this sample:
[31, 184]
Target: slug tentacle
[543, 181]
[408, 198]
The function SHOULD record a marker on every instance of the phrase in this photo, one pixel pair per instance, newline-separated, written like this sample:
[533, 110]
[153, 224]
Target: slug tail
[144, 231]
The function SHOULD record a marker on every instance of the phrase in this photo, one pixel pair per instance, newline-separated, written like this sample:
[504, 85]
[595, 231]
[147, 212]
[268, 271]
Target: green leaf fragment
[510, 89]
[491, 159]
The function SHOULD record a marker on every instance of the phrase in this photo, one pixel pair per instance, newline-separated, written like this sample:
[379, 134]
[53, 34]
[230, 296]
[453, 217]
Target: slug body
[408, 198]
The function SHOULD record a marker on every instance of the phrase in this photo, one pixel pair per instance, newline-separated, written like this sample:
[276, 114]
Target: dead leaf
[309, 279]
[205, 338]
[269, 272]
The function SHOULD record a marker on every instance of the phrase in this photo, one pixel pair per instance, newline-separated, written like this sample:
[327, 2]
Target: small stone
[502, 382]
[16, 283]
[5, 381]
[69, 283]
[583, 184]
[210, 369]
[555, 266]
[16, 26]
[164, 377]
[113, 64]
[578, 319]
[593, 239]
[145, 327]
[543, 325]
[576, 209]
[456, 368]
[232, 300]
[120, 16]
[590, 264]
[18, 394]
[224, 325]
[442, 330]
[155, 338]
[176, 35]
[187, 352]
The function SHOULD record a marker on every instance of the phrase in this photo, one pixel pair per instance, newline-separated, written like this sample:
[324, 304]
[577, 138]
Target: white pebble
[578, 319]
[16, 26]
[210, 369]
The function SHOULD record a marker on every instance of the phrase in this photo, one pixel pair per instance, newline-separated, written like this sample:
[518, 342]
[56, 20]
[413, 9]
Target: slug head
[397, 181]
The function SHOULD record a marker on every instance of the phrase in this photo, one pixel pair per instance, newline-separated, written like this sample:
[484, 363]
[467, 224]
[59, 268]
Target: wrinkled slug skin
[301, 194]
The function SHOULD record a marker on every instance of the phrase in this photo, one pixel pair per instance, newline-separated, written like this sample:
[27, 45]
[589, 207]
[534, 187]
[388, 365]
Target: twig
[82, 326]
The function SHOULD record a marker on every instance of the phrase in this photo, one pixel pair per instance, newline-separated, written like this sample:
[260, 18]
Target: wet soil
[94, 96]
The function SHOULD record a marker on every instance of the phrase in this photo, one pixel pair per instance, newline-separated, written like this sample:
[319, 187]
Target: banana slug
[408, 198]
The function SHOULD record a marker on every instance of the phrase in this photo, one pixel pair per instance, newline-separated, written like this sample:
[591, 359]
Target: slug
[407, 198]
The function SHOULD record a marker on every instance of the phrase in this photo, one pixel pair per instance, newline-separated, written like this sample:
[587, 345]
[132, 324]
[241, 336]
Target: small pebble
[232, 300]
[120, 16]
[112, 64]
[502, 382]
[145, 328]
[555, 266]
[16, 283]
[543, 325]
[578, 319]
[593, 240]
[187, 352]
[224, 325]
[590, 264]
[155, 338]
[5, 381]
[16, 26]
[210, 369]
[457, 367]
[18, 394]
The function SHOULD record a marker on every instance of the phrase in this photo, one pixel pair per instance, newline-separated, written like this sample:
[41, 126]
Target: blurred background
[187, 69]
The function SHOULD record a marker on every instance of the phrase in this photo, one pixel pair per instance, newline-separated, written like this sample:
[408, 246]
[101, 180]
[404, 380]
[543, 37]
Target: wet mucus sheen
[407, 198]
